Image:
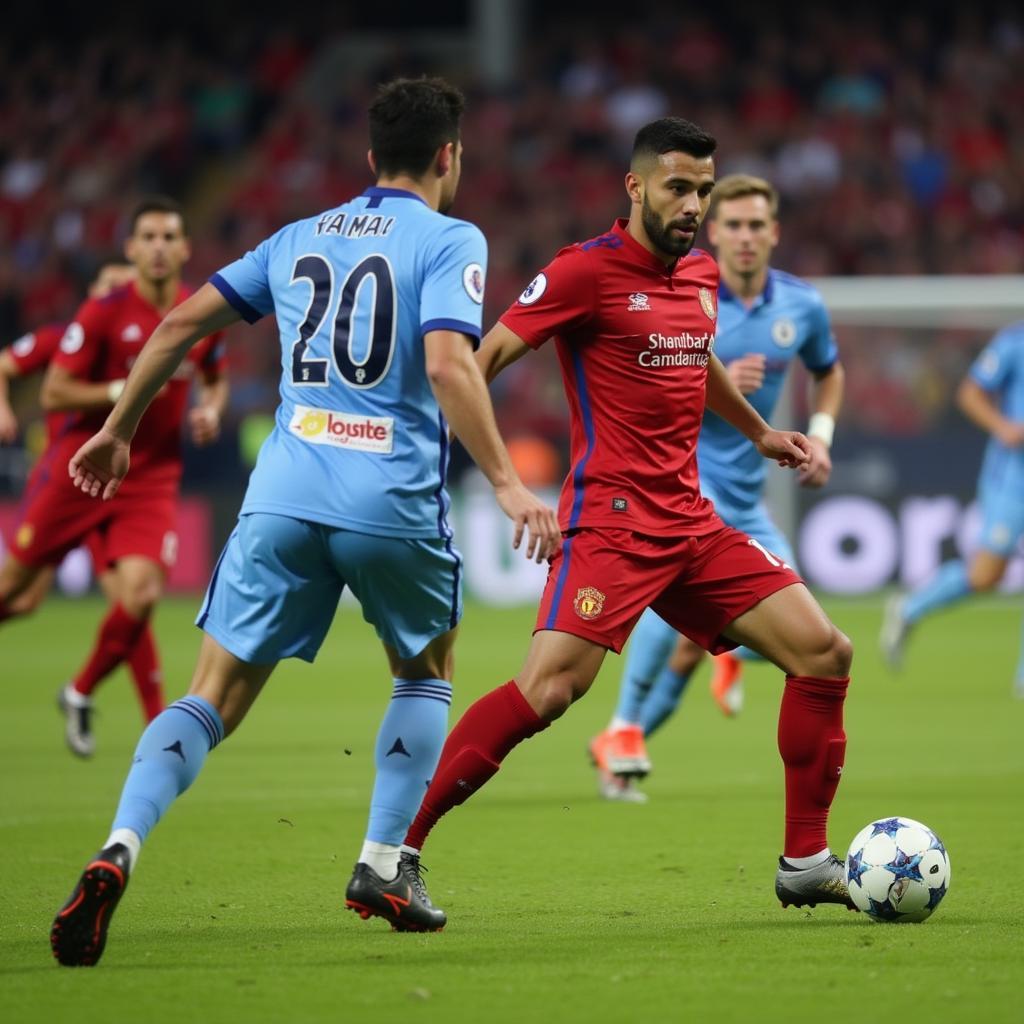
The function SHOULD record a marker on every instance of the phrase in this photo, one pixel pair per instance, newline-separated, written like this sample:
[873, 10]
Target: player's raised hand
[818, 468]
[1011, 434]
[747, 372]
[532, 517]
[203, 425]
[8, 424]
[100, 465]
[789, 448]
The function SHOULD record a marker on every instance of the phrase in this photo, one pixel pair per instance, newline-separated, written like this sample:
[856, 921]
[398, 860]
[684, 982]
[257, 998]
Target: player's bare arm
[205, 417]
[461, 392]
[8, 422]
[747, 372]
[102, 462]
[61, 391]
[980, 408]
[826, 398]
[500, 348]
[788, 448]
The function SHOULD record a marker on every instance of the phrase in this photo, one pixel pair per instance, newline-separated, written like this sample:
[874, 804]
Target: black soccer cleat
[403, 901]
[79, 931]
[807, 887]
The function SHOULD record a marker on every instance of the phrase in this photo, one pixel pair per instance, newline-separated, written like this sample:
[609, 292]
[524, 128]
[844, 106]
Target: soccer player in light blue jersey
[378, 303]
[766, 320]
[992, 396]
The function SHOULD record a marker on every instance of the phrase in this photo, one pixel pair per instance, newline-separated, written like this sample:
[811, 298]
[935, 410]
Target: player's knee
[551, 695]
[984, 578]
[841, 653]
[686, 656]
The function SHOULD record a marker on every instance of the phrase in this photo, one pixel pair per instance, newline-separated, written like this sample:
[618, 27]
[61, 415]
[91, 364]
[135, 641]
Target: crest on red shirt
[589, 602]
[707, 302]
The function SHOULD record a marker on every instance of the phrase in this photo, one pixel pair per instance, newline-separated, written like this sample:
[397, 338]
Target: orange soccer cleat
[621, 752]
[727, 684]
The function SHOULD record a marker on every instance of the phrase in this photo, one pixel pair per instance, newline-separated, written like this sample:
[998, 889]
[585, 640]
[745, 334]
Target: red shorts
[55, 517]
[601, 581]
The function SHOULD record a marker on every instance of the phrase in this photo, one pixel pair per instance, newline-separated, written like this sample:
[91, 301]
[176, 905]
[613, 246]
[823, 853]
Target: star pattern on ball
[905, 865]
[889, 827]
[882, 909]
[855, 867]
[935, 896]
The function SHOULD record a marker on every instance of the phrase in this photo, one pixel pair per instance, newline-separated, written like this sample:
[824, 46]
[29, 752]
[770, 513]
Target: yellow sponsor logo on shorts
[25, 535]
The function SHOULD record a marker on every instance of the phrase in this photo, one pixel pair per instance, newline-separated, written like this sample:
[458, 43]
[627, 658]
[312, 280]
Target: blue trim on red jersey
[240, 306]
[450, 324]
[376, 193]
[577, 483]
[588, 429]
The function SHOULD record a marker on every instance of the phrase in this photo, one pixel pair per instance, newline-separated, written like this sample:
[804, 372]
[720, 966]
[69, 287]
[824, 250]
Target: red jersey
[103, 342]
[633, 339]
[32, 353]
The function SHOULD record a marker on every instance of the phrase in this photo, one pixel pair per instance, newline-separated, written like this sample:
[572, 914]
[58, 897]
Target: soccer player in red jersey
[30, 354]
[633, 316]
[84, 379]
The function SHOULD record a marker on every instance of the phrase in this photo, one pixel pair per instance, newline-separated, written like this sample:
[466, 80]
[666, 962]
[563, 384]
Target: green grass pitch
[561, 907]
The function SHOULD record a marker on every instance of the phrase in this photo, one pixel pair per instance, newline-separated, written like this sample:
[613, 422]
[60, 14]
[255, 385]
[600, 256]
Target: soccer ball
[897, 870]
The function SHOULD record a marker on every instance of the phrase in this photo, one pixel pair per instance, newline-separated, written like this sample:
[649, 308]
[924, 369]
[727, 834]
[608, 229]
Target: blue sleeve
[819, 351]
[453, 289]
[994, 366]
[245, 284]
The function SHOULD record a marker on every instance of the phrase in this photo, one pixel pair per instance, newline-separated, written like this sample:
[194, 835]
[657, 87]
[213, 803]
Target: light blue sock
[949, 584]
[649, 650]
[408, 748]
[663, 699]
[167, 760]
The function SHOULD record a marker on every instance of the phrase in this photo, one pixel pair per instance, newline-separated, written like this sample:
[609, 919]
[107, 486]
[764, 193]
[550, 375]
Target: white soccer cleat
[618, 788]
[892, 638]
[77, 712]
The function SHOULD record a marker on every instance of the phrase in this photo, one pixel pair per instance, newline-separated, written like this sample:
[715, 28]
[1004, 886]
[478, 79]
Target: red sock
[473, 752]
[145, 665]
[118, 634]
[812, 744]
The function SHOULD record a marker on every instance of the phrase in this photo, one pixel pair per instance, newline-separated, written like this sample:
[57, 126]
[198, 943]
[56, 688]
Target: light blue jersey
[999, 370]
[787, 320]
[359, 441]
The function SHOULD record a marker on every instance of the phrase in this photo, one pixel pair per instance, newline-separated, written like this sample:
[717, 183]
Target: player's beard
[661, 235]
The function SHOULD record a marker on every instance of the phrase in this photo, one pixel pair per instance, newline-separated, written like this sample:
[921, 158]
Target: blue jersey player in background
[992, 396]
[766, 319]
[378, 303]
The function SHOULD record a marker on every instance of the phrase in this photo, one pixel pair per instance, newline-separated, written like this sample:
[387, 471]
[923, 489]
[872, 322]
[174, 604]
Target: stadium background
[896, 139]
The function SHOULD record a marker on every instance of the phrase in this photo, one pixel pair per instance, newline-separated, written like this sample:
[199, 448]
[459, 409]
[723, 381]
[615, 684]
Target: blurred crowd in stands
[896, 139]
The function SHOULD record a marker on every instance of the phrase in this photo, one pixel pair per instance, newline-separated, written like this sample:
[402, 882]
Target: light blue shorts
[1002, 519]
[754, 522]
[278, 581]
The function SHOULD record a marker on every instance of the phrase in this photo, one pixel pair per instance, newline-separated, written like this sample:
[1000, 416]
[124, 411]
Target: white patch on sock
[620, 723]
[382, 857]
[76, 699]
[126, 837]
[800, 863]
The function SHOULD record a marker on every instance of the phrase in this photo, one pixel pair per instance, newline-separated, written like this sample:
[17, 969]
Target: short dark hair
[410, 120]
[739, 186]
[671, 134]
[156, 204]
